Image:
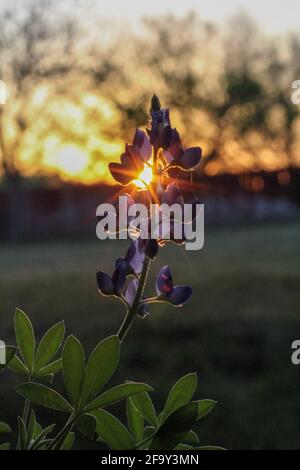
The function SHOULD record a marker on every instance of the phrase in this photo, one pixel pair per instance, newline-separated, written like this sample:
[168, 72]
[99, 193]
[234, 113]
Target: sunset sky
[273, 16]
[91, 118]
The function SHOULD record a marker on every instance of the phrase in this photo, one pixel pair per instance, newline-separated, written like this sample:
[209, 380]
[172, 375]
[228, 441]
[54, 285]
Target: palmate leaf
[68, 442]
[100, 367]
[143, 403]
[180, 394]
[113, 432]
[51, 368]
[86, 424]
[175, 428]
[191, 439]
[18, 366]
[204, 407]
[40, 435]
[22, 434]
[25, 338]
[73, 369]
[43, 396]
[4, 428]
[135, 422]
[118, 393]
[30, 429]
[49, 346]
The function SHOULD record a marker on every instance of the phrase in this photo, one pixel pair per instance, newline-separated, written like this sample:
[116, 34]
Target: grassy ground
[236, 332]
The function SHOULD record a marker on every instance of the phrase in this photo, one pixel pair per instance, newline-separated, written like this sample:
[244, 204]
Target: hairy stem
[131, 313]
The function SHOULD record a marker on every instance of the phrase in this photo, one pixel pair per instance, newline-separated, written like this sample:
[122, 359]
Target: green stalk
[132, 311]
[60, 437]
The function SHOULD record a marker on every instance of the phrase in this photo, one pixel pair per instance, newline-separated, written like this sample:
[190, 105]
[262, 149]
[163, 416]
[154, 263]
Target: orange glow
[70, 160]
[145, 177]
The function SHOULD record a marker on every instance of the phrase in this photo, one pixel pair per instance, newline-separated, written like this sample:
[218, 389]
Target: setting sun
[144, 178]
[70, 159]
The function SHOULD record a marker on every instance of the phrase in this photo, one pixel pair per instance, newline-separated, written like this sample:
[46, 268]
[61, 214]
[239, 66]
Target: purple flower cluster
[162, 146]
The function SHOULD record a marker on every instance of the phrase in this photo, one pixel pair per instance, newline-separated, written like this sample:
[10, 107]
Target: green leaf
[144, 404]
[18, 366]
[191, 438]
[25, 337]
[68, 442]
[112, 432]
[116, 394]
[44, 396]
[49, 345]
[87, 425]
[73, 368]
[10, 351]
[100, 367]
[37, 430]
[22, 434]
[184, 447]
[148, 432]
[40, 437]
[176, 427]
[47, 379]
[135, 422]
[209, 448]
[51, 368]
[5, 446]
[205, 407]
[31, 428]
[4, 428]
[180, 394]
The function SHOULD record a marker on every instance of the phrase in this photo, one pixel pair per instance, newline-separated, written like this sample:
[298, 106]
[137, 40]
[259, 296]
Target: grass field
[236, 332]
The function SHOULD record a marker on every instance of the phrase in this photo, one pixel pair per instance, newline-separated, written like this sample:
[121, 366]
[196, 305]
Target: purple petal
[164, 282]
[135, 258]
[171, 194]
[120, 173]
[131, 291]
[191, 157]
[143, 143]
[166, 137]
[167, 156]
[175, 148]
[105, 284]
[119, 276]
[134, 161]
[180, 295]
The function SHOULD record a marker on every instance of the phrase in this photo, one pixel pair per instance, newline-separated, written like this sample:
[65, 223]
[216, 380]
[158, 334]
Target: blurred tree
[35, 50]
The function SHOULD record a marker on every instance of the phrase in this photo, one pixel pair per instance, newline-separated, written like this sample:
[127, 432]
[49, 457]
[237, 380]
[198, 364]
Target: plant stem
[141, 443]
[59, 438]
[26, 411]
[131, 313]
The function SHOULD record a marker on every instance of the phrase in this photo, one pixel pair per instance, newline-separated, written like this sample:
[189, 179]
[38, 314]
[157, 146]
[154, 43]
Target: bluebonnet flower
[165, 289]
[112, 285]
[176, 156]
[132, 160]
[129, 278]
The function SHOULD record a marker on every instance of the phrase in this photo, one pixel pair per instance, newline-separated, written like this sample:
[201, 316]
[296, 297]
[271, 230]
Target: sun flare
[145, 177]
